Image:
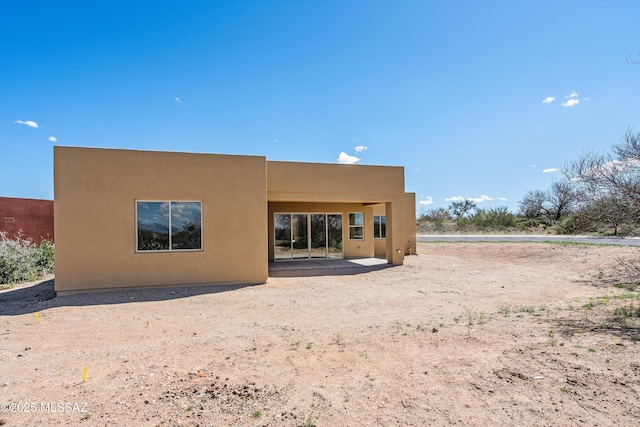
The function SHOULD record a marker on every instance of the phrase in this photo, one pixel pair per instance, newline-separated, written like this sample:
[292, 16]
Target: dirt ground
[474, 334]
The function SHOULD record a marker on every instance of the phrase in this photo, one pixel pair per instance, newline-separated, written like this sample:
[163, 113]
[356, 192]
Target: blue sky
[454, 91]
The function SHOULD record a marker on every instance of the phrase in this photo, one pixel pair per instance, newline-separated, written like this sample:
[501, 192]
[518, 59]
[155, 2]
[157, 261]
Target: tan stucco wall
[95, 195]
[330, 182]
[380, 245]
[351, 248]
[333, 183]
[410, 223]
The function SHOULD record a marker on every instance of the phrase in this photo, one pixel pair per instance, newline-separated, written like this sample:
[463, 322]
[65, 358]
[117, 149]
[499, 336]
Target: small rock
[434, 330]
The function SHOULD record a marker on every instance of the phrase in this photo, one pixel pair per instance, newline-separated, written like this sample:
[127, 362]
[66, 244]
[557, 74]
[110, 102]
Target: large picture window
[356, 226]
[379, 226]
[168, 226]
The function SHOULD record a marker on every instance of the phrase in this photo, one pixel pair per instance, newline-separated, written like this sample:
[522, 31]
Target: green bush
[498, 218]
[21, 260]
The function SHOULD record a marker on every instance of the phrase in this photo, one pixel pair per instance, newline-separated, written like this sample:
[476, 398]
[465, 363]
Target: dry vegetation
[462, 334]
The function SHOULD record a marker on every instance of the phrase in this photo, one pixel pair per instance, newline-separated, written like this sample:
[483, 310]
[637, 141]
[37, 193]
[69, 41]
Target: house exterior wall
[32, 217]
[96, 191]
[380, 245]
[95, 197]
[410, 223]
[332, 182]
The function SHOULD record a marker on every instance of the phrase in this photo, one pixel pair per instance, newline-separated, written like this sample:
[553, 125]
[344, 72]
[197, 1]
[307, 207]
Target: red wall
[33, 217]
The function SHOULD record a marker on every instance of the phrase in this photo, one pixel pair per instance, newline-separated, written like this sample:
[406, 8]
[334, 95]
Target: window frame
[354, 226]
[377, 227]
[170, 249]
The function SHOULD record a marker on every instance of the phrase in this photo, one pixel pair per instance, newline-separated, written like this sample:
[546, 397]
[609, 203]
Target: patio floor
[326, 267]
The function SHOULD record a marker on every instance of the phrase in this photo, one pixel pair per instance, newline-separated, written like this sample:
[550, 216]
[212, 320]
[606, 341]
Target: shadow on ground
[41, 296]
[609, 325]
[314, 272]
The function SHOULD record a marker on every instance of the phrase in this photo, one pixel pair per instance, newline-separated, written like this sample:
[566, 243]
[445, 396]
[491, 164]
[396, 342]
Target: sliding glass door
[304, 236]
[334, 236]
[299, 236]
[318, 243]
[282, 225]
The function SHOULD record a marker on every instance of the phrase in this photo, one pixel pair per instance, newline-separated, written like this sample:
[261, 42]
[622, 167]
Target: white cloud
[360, 148]
[550, 170]
[572, 99]
[29, 123]
[612, 167]
[178, 99]
[427, 201]
[571, 102]
[483, 198]
[346, 159]
[548, 99]
[53, 139]
[276, 140]
[533, 166]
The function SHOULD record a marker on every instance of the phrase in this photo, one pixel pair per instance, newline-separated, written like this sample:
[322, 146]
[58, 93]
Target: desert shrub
[44, 257]
[498, 218]
[627, 311]
[568, 225]
[433, 220]
[463, 224]
[21, 260]
[629, 229]
[630, 272]
[532, 224]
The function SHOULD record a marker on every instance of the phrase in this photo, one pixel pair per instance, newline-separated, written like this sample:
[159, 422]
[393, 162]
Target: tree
[561, 200]
[532, 205]
[557, 202]
[460, 209]
[435, 214]
[611, 210]
[610, 181]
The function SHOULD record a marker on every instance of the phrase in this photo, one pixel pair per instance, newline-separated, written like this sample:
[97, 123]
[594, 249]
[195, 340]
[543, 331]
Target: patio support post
[395, 230]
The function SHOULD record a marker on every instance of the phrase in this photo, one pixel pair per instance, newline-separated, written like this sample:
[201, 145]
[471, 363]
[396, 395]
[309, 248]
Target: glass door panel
[318, 236]
[282, 225]
[300, 240]
[334, 236]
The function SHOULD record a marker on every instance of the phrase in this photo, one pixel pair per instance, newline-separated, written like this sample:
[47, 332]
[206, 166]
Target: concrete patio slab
[326, 267]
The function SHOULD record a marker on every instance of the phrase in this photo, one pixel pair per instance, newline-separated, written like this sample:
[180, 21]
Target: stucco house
[126, 218]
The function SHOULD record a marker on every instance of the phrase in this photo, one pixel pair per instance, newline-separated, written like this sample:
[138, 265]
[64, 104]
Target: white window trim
[354, 226]
[170, 250]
